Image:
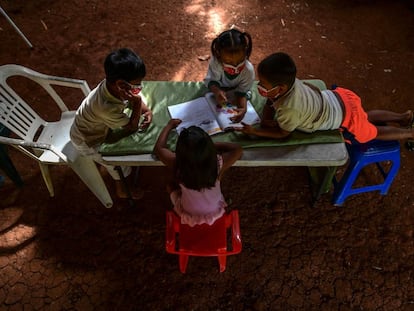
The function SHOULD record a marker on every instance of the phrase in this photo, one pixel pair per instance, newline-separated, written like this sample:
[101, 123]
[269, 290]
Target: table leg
[125, 186]
[321, 180]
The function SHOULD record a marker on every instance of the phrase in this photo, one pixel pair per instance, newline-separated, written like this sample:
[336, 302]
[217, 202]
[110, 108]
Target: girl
[197, 166]
[230, 69]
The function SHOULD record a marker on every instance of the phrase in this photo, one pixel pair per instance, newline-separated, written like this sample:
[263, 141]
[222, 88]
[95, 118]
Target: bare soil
[70, 253]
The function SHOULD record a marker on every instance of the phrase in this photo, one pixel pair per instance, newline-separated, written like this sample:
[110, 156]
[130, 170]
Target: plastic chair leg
[86, 169]
[183, 259]
[44, 168]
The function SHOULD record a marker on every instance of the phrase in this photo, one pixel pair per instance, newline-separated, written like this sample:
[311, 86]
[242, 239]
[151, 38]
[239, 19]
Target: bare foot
[409, 121]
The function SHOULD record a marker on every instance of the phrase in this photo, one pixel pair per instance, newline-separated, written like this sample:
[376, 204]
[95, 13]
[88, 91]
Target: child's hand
[239, 115]
[131, 97]
[246, 129]
[173, 123]
[221, 97]
[147, 116]
[269, 123]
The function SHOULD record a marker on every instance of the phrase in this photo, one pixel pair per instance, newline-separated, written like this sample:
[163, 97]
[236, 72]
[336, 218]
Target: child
[230, 69]
[197, 166]
[301, 106]
[103, 110]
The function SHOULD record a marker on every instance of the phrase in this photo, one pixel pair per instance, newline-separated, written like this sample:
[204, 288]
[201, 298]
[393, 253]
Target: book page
[195, 112]
[224, 112]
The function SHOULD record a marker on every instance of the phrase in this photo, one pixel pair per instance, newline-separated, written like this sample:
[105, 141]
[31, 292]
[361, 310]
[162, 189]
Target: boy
[103, 110]
[301, 106]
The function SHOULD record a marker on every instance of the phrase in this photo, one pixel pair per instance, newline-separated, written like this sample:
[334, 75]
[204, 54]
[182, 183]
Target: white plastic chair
[46, 142]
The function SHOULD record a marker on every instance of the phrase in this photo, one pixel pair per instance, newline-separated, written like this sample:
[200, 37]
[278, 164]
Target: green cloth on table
[160, 94]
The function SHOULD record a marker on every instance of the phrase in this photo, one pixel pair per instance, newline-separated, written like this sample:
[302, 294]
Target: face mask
[265, 92]
[234, 70]
[134, 88]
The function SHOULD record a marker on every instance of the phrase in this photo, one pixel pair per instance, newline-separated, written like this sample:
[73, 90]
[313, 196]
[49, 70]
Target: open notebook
[211, 116]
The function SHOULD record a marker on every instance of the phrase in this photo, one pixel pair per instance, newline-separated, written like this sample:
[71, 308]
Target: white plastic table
[321, 159]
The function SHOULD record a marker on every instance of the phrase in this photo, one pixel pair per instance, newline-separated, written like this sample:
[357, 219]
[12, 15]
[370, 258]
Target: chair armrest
[22, 145]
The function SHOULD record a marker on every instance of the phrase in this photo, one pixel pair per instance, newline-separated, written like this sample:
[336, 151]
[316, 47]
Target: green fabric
[160, 94]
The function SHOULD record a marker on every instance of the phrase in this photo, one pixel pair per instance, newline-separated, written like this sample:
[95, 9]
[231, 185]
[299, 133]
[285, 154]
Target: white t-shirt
[99, 112]
[307, 109]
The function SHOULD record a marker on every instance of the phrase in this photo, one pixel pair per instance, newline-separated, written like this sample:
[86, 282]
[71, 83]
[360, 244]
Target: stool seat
[361, 155]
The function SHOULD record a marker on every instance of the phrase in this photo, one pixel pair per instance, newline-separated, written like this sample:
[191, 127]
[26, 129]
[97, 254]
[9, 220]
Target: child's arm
[147, 113]
[268, 116]
[219, 94]
[211, 79]
[241, 103]
[270, 132]
[268, 125]
[136, 104]
[161, 150]
[230, 152]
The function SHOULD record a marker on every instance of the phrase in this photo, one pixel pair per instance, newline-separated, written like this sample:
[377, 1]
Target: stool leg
[389, 177]
[183, 262]
[343, 187]
[222, 262]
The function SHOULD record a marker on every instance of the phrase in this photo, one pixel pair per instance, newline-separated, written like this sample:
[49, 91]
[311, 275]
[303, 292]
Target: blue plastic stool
[361, 155]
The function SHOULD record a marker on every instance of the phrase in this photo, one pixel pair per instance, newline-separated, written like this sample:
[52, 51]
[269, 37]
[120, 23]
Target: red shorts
[355, 118]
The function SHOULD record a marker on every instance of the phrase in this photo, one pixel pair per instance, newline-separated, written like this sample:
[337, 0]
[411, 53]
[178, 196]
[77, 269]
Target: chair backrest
[204, 240]
[15, 113]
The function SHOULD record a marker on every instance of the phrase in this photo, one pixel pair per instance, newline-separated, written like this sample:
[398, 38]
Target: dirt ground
[70, 253]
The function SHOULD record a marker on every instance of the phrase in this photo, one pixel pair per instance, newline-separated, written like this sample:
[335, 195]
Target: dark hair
[232, 40]
[124, 64]
[196, 159]
[278, 68]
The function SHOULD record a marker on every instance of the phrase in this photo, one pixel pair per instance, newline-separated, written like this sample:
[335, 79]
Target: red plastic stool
[361, 155]
[203, 240]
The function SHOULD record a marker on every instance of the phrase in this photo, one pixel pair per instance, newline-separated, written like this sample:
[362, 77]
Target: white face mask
[265, 92]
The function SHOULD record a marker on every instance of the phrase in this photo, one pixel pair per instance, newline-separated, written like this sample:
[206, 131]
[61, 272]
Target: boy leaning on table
[293, 104]
[103, 110]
